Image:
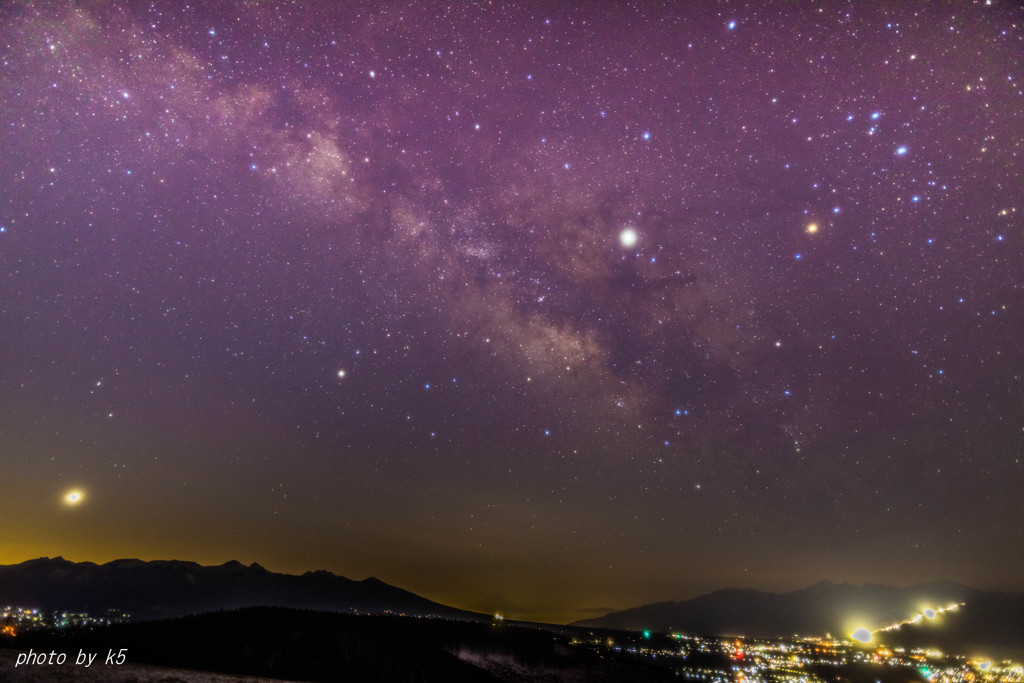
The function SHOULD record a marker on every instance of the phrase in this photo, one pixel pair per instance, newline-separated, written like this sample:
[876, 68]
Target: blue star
[901, 150]
[798, 257]
[875, 115]
[426, 386]
[647, 136]
[732, 25]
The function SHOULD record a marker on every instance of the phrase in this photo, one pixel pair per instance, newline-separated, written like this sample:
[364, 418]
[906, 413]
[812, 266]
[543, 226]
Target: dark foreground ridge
[277, 643]
[305, 645]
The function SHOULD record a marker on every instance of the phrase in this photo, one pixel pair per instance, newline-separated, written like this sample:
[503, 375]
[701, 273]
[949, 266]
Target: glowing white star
[628, 238]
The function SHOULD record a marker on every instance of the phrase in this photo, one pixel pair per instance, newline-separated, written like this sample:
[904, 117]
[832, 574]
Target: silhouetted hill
[168, 588]
[987, 618]
[319, 646]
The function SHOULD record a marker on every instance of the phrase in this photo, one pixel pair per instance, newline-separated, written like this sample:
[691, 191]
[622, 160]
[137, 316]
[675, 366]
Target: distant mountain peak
[168, 588]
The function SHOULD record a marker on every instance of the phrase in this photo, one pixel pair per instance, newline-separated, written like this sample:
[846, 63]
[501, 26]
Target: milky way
[534, 306]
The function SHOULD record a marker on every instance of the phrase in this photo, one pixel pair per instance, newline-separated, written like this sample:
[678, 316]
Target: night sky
[534, 307]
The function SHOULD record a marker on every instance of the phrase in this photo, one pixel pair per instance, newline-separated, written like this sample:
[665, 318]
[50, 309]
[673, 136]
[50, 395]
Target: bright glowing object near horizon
[628, 237]
[861, 634]
[74, 497]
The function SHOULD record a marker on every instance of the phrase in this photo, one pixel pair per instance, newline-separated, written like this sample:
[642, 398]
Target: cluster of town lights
[864, 635]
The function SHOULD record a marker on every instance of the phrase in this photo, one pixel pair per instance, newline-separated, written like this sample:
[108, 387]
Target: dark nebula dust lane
[578, 306]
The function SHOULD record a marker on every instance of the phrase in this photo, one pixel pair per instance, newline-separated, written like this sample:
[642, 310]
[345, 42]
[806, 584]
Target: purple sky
[334, 286]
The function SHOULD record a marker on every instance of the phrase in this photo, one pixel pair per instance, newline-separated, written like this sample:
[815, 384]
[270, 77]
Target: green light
[647, 634]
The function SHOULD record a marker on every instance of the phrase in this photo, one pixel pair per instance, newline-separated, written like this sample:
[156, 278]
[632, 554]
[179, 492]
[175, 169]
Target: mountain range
[987, 623]
[982, 623]
[171, 588]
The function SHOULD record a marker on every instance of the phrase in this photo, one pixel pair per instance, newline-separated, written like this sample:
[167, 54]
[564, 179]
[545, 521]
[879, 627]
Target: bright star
[628, 238]
[341, 373]
[812, 228]
[901, 150]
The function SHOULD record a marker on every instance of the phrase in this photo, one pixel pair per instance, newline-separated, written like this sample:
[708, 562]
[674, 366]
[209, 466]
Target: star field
[583, 306]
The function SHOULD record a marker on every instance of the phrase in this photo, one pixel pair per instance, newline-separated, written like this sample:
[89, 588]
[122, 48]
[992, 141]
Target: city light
[862, 634]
